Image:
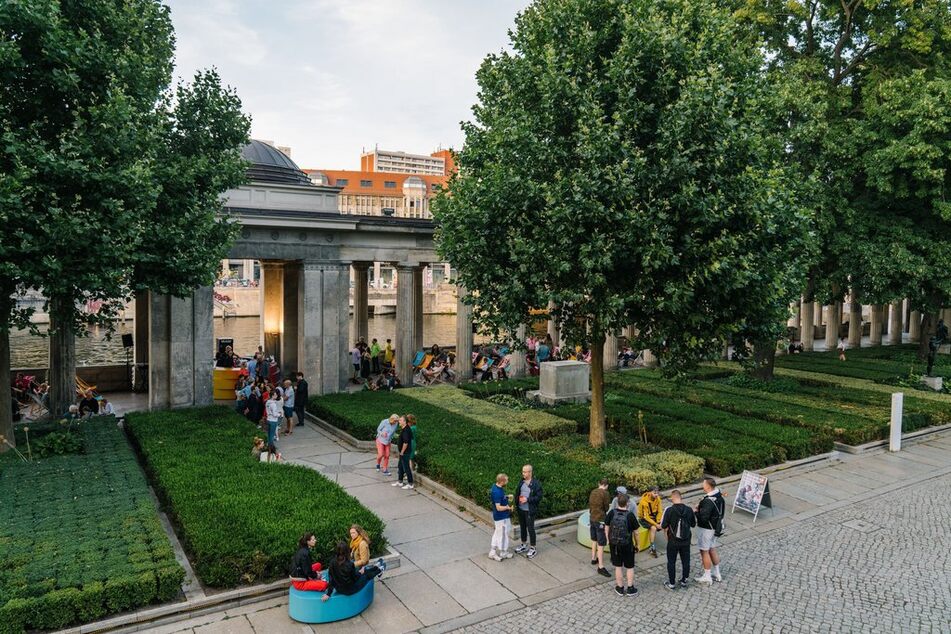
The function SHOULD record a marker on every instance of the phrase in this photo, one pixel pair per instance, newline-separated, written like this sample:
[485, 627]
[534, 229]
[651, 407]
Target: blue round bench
[307, 606]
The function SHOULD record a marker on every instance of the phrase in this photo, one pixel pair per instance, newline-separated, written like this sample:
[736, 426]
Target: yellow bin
[224, 382]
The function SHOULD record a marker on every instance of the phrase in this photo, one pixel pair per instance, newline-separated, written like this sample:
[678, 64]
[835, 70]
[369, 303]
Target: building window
[342, 182]
[436, 187]
[365, 183]
[389, 184]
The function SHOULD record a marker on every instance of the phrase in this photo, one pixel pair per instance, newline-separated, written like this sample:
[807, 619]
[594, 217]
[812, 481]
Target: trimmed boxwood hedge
[80, 537]
[239, 519]
[514, 387]
[529, 424]
[464, 454]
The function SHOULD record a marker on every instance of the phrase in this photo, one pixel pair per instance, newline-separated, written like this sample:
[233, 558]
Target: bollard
[894, 439]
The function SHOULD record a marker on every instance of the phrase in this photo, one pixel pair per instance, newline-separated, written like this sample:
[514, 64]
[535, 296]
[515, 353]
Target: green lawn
[80, 537]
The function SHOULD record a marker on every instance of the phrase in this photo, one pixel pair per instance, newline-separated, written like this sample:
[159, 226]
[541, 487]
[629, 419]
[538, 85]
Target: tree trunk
[764, 359]
[929, 326]
[62, 366]
[6, 397]
[596, 434]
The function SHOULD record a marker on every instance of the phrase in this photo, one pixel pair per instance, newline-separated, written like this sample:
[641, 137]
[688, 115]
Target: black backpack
[679, 530]
[718, 522]
[620, 533]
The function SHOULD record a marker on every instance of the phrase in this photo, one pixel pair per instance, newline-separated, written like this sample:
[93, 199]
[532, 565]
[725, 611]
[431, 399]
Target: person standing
[273, 410]
[355, 356]
[388, 354]
[649, 515]
[598, 506]
[502, 516]
[710, 514]
[529, 497]
[620, 525]
[384, 436]
[677, 521]
[375, 356]
[411, 422]
[300, 398]
[405, 444]
[289, 405]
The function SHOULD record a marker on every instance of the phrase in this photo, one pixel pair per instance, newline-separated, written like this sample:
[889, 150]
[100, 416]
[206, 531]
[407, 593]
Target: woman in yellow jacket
[649, 514]
[359, 546]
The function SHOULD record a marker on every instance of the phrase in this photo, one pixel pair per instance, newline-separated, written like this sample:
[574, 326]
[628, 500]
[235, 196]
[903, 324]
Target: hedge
[526, 424]
[514, 387]
[80, 537]
[239, 519]
[465, 455]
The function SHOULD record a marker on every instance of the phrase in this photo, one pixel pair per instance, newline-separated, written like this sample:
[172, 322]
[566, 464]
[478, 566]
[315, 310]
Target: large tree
[620, 166]
[102, 165]
[867, 124]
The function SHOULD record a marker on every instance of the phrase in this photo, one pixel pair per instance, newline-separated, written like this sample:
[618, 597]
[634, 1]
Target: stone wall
[106, 378]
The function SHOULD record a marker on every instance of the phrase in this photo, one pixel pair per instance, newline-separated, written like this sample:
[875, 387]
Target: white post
[894, 440]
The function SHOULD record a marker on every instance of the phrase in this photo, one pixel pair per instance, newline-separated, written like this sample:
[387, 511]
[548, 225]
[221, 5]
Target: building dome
[270, 165]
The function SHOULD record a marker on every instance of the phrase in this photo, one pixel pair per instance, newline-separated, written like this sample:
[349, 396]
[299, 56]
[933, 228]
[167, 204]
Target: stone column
[875, 325]
[418, 341]
[894, 324]
[248, 270]
[6, 397]
[463, 366]
[272, 313]
[405, 322]
[377, 281]
[855, 323]
[62, 363]
[181, 349]
[323, 309]
[518, 365]
[141, 340]
[650, 359]
[553, 329]
[832, 326]
[290, 331]
[818, 313]
[796, 321]
[808, 328]
[914, 326]
[359, 326]
[610, 352]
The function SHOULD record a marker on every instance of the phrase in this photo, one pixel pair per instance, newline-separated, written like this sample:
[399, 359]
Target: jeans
[526, 525]
[363, 579]
[271, 431]
[405, 468]
[500, 538]
[673, 550]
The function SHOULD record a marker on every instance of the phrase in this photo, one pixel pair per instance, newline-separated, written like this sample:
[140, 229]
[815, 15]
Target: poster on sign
[752, 494]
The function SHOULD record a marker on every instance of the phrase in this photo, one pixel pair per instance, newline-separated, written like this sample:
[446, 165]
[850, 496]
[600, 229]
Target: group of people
[436, 367]
[524, 503]
[349, 569]
[405, 445]
[616, 524]
[373, 365]
[270, 404]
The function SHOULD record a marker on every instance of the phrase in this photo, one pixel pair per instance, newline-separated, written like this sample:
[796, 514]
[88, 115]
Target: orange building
[389, 183]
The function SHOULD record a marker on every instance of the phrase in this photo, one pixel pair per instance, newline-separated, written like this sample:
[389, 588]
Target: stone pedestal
[563, 382]
[936, 383]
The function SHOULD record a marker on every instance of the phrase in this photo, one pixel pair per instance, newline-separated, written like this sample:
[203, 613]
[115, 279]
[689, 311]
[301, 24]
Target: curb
[876, 444]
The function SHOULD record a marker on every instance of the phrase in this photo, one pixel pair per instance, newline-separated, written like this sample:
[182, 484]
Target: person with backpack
[620, 525]
[598, 507]
[677, 521]
[529, 492]
[710, 514]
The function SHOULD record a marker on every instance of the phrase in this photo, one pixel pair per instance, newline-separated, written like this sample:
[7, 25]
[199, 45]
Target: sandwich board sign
[752, 494]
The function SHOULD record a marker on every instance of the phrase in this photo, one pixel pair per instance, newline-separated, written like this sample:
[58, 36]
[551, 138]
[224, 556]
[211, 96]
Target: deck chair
[82, 387]
[37, 407]
[418, 358]
[427, 359]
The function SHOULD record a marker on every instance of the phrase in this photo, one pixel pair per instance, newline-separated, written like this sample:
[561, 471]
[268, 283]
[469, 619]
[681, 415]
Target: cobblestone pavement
[877, 566]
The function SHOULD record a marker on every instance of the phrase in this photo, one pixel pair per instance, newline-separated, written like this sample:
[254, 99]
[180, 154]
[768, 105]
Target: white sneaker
[506, 554]
[704, 579]
[408, 486]
[494, 556]
[717, 578]
[397, 484]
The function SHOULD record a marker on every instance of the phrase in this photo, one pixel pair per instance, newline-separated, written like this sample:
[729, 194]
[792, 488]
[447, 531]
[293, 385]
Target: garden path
[445, 581]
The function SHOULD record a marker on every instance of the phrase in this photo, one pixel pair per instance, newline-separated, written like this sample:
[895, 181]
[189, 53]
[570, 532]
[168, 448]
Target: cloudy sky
[331, 77]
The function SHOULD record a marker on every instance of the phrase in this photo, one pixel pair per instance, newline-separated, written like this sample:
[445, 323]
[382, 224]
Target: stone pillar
[610, 352]
[405, 322]
[818, 314]
[894, 324]
[808, 328]
[914, 326]
[181, 349]
[248, 270]
[323, 309]
[272, 312]
[875, 325]
[832, 330]
[359, 326]
[796, 321]
[650, 359]
[518, 365]
[855, 323]
[377, 281]
[6, 397]
[418, 341]
[290, 362]
[553, 329]
[141, 343]
[62, 364]
[463, 366]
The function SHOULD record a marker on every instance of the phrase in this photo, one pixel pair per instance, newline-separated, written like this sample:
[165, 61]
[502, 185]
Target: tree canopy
[622, 164]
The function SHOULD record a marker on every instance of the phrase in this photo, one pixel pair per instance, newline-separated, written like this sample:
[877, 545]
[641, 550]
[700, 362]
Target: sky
[331, 78]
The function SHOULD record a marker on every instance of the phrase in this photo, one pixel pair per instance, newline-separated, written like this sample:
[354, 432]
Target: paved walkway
[800, 568]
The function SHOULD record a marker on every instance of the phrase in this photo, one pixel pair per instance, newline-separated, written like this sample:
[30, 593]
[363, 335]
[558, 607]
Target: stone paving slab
[519, 575]
[387, 614]
[237, 625]
[277, 621]
[410, 529]
[472, 587]
[435, 551]
[424, 598]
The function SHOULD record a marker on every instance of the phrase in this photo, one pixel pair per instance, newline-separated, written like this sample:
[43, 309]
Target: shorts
[644, 524]
[288, 412]
[597, 533]
[622, 555]
[706, 539]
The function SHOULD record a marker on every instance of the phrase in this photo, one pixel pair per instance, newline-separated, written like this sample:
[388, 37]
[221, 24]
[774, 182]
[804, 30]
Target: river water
[27, 351]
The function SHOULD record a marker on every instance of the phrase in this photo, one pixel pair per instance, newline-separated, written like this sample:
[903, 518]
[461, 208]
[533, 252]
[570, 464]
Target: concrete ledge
[339, 434]
[876, 444]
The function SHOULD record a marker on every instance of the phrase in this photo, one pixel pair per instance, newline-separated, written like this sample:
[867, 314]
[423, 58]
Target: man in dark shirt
[300, 398]
[677, 522]
[89, 406]
[620, 525]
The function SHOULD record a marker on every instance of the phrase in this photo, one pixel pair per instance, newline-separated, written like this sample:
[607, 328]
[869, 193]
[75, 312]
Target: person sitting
[795, 347]
[89, 406]
[305, 575]
[72, 414]
[258, 448]
[106, 408]
[344, 577]
[273, 455]
[502, 367]
[359, 546]
[627, 356]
